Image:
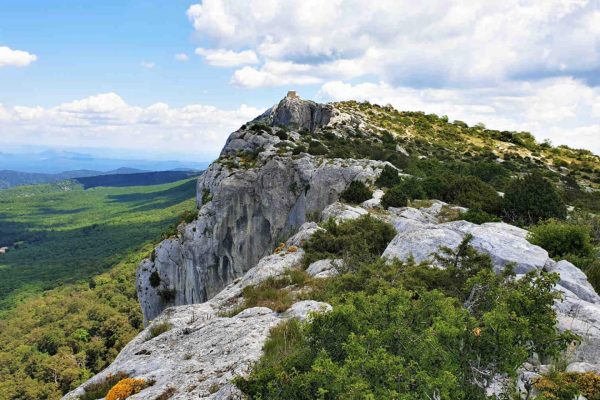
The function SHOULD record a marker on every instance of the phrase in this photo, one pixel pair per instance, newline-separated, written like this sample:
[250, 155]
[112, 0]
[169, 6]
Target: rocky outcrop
[300, 114]
[421, 234]
[248, 200]
[203, 350]
[420, 237]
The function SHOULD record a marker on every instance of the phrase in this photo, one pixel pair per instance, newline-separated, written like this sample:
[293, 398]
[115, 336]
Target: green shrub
[189, 216]
[158, 329]
[154, 279]
[466, 191]
[401, 331]
[531, 199]
[317, 148]
[356, 241]
[206, 196]
[259, 126]
[389, 177]
[395, 197]
[299, 149]
[356, 193]
[561, 239]
[478, 216]
[282, 135]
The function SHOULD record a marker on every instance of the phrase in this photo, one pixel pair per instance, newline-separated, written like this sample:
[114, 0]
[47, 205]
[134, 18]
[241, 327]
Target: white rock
[324, 268]
[341, 212]
[573, 279]
[583, 367]
[375, 201]
[200, 353]
[504, 243]
[302, 309]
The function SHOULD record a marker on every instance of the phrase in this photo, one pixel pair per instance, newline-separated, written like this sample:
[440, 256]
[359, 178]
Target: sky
[171, 79]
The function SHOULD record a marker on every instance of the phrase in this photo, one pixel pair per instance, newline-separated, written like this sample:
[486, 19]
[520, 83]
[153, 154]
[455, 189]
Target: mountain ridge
[293, 166]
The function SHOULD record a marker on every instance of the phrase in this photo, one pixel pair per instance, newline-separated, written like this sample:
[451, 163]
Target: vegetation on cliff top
[406, 331]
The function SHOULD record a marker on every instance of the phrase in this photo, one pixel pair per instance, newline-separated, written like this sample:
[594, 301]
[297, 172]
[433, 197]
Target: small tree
[357, 192]
[531, 199]
[395, 197]
[561, 239]
[388, 178]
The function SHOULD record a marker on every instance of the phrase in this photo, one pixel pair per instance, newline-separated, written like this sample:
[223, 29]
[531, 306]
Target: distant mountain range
[136, 179]
[90, 178]
[57, 161]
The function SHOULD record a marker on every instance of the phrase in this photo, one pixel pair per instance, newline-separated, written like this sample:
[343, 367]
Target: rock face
[303, 114]
[420, 237]
[202, 351]
[245, 209]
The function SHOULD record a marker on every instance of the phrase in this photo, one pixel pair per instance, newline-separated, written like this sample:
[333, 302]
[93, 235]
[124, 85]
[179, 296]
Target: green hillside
[86, 244]
[60, 233]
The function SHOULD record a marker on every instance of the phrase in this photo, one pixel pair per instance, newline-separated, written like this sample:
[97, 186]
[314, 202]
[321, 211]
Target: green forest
[68, 279]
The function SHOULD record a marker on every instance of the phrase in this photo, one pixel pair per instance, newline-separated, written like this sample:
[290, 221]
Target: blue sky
[87, 48]
[171, 79]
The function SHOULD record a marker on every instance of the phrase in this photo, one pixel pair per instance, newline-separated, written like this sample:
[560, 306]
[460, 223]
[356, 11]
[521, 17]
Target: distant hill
[10, 178]
[135, 179]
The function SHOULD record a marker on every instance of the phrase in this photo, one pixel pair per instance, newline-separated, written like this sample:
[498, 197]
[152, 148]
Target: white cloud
[17, 58]
[275, 73]
[181, 57]
[564, 110]
[227, 58]
[107, 119]
[411, 43]
[147, 64]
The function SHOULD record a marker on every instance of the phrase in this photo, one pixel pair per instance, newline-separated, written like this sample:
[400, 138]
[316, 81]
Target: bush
[360, 240]
[561, 239]
[478, 216]
[298, 149]
[317, 148]
[531, 199]
[259, 126]
[569, 385]
[405, 331]
[395, 197]
[188, 216]
[356, 193]
[158, 329]
[154, 279]
[282, 135]
[389, 177]
[466, 191]
[125, 388]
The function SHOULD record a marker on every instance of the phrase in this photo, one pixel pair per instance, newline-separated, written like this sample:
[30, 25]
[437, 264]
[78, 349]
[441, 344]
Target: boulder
[324, 268]
[574, 280]
[341, 212]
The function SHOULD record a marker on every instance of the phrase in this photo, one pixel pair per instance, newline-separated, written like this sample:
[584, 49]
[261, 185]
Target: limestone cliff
[256, 193]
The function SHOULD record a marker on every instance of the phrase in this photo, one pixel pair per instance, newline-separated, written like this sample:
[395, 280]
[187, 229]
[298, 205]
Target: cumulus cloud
[17, 58]
[406, 42]
[564, 110]
[181, 57]
[227, 58]
[196, 129]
